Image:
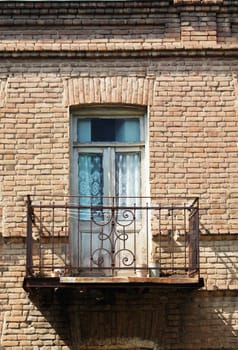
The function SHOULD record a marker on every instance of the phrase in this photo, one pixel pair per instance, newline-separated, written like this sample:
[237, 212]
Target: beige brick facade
[179, 60]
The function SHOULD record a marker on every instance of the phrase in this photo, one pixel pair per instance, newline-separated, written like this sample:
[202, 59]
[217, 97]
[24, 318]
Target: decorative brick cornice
[122, 54]
[117, 28]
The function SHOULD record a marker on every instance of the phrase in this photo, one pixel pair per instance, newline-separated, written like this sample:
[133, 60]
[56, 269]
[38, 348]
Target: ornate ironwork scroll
[116, 237]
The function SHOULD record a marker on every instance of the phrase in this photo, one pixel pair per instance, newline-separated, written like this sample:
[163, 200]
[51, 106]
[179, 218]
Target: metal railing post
[29, 258]
[194, 237]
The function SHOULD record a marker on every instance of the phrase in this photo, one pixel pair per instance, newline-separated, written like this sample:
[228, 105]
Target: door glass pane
[128, 179]
[90, 182]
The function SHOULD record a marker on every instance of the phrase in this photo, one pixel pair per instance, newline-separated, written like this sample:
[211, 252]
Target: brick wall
[193, 129]
[181, 62]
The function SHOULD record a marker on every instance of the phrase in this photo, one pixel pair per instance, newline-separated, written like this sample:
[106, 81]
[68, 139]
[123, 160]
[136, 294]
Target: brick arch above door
[113, 89]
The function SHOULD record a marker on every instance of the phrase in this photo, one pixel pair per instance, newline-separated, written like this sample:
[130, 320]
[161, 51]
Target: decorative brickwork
[109, 89]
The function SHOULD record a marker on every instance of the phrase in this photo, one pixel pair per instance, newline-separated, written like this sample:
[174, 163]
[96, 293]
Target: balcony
[112, 242]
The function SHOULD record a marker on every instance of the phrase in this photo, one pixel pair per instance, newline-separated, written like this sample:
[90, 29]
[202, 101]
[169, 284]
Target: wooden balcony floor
[112, 282]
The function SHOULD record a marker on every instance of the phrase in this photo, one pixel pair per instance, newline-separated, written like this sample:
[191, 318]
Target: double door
[107, 227]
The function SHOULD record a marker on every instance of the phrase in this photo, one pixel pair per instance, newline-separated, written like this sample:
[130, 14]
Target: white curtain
[90, 182]
[128, 180]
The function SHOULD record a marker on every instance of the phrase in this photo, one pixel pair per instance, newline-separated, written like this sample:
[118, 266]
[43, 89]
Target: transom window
[108, 130]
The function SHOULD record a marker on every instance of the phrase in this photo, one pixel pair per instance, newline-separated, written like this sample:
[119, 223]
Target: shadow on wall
[127, 319]
[210, 319]
[52, 308]
[135, 319]
[144, 319]
[218, 260]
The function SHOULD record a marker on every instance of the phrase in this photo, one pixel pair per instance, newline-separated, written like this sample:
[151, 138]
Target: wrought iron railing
[158, 237]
